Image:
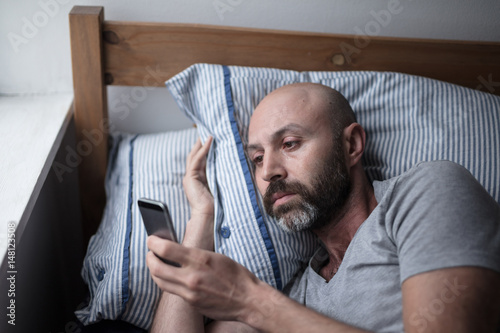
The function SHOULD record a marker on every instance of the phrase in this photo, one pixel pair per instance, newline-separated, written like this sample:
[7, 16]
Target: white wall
[35, 53]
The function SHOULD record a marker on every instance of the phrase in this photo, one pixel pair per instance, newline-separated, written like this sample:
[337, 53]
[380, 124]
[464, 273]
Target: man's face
[299, 166]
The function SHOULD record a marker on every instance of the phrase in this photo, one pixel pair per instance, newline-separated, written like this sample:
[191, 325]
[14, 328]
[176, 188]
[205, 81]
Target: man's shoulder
[436, 173]
[428, 172]
[439, 167]
[439, 184]
[434, 183]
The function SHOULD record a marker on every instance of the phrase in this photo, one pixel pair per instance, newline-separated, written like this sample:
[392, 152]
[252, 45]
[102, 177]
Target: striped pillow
[243, 231]
[148, 165]
[408, 119]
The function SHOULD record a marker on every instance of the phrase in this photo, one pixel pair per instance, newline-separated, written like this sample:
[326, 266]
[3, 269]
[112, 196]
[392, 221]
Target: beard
[315, 206]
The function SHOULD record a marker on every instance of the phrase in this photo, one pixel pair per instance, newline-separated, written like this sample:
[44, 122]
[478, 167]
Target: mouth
[281, 197]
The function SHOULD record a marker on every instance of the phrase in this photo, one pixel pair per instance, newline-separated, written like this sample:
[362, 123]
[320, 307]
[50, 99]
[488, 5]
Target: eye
[290, 144]
[257, 160]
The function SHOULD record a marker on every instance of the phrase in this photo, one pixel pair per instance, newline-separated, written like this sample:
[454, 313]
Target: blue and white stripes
[152, 166]
[408, 119]
[244, 233]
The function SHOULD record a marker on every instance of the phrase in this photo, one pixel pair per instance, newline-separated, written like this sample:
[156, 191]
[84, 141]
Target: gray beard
[301, 220]
[316, 207]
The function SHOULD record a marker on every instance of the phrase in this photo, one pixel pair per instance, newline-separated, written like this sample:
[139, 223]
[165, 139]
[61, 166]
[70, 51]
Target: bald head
[316, 99]
[297, 145]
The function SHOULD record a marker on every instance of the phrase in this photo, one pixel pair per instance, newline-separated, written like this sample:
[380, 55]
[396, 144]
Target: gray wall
[35, 54]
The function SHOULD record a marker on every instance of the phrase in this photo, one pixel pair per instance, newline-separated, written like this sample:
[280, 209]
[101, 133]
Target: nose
[273, 168]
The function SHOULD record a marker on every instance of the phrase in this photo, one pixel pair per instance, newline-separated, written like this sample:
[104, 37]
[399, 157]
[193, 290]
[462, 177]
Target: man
[419, 253]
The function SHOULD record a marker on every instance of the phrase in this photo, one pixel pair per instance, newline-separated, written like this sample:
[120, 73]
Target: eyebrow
[277, 134]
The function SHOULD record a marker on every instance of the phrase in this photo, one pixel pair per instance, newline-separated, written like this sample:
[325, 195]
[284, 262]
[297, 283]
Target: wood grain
[133, 51]
[90, 108]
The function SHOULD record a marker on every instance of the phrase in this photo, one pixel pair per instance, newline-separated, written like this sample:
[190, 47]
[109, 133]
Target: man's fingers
[206, 145]
[159, 247]
[160, 271]
[194, 149]
[175, 280]
[167, 249]
[200, 149]
[168, 278]
[199, 152]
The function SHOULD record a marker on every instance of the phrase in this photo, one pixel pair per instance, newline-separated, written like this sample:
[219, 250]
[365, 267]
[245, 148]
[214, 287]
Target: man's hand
[222, 289]
[195, 180]
[200, 228]
[213, 284]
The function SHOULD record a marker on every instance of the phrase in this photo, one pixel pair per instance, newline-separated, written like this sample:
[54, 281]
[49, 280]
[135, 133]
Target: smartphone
[157, 220]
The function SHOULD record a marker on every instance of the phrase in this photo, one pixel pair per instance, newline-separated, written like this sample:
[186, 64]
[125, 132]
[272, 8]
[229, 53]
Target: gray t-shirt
[434, 216]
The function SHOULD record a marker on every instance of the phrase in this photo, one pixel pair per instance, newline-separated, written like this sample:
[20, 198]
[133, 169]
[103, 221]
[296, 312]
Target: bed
[456, 78]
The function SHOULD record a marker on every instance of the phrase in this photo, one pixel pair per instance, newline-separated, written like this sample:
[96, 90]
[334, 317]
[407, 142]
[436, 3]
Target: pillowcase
[408, 119]
[244, 232]
[151, 166]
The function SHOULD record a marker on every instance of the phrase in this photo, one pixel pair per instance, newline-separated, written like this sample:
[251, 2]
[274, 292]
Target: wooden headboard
[147, 54]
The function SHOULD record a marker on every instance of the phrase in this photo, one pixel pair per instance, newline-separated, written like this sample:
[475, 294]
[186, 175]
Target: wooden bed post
[90, 109]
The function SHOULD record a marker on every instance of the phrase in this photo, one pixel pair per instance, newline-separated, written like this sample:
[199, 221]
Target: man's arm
[173, 314]
[446, 226]
[463, 299]
[222, 289]
[460, 299]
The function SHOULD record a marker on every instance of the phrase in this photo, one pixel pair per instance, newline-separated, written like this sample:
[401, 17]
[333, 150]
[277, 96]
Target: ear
[354, 136]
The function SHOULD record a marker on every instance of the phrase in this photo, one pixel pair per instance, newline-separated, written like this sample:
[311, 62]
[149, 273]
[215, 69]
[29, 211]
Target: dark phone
[157, 220]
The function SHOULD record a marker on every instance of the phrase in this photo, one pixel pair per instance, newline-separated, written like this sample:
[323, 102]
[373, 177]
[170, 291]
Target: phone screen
[157, 221]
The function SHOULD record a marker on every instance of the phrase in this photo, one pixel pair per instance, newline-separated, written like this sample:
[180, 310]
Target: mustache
[282, 186]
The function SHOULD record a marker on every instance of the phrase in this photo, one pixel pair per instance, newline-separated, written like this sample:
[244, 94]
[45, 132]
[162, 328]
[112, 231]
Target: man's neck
[338, 234]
